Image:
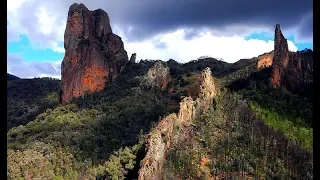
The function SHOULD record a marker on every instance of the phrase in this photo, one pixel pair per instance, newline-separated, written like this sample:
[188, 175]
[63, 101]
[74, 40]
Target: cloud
[147, 18]
[165, 46]
[142, 19]
[178, 29]
[231, 49]
[43, 25]
[305, 30]
[31, 69]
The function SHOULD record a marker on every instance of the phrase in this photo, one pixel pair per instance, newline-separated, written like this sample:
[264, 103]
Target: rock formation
[281, 57]
[94, 55]
[290, 70]
[158, 76]
[162, 136]
[133, 58]
[265, 60]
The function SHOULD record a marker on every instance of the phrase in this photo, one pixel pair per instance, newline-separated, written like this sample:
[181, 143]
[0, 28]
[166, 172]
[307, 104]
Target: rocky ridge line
[161, 138]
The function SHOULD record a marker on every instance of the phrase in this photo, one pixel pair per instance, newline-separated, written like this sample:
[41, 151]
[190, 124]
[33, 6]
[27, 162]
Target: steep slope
[290, 70]
[163, 136]
[231, 141]
[11, 77]
[85, 133]
[94, 55]
[195, 130]
[265, 60]
[282, 83]
[27, 98]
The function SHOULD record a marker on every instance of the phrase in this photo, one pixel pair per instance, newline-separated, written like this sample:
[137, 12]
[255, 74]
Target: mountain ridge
[118, 119]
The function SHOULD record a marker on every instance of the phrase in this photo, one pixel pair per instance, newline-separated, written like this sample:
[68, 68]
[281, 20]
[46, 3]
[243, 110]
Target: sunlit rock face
[290, 70]
[265, 60]
[94, 55]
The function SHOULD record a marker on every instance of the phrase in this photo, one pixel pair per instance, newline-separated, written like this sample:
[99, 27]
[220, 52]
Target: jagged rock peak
[93, 56]
[207, 83]
[280, 47]
[290, 70]
[281, 56]
[133, 58]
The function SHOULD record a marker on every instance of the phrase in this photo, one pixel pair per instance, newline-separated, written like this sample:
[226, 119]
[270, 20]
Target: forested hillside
[103, 134]
[27, 98]
[232, 141]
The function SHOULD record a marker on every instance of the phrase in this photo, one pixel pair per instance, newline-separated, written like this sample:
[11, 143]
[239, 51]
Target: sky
[182, 30]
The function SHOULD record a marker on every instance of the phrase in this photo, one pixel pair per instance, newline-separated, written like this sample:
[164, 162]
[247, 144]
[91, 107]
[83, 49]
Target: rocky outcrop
[290, 70]
[158, 76]
[161, 138]
[94, 55]
[265, 60]
[281, 57]
[133, 58]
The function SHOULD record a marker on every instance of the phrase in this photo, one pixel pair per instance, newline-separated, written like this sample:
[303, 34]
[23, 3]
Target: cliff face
[158, 76]
[281, 57]
[265, 60]
[162, 137]
[93, 56]
[290, 70]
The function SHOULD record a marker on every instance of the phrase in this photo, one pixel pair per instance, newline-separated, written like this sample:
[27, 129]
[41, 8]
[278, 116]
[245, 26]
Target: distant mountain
[11, 77]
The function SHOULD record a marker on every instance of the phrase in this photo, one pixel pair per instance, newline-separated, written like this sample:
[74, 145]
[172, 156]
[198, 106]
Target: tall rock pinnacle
[281, 56]
[290, 70]
[93, 54]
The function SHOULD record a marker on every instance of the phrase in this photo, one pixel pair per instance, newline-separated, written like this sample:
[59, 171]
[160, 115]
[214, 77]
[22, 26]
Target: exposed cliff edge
[162, 137]
[93, 56]
[158, 76]
[290, 70]
[265, 60]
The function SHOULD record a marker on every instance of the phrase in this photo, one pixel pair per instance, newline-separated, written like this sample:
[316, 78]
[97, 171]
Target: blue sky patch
[28, 53]
[268, 36]
[261, 36]
[25, 50]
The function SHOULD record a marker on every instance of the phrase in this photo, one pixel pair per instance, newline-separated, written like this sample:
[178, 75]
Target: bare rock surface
[94, 55]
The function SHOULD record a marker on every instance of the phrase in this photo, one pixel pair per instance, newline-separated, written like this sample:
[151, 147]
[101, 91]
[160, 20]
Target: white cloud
[57, 48]
[14, 5]
[43, 23]
[31, 69]
[231, 49]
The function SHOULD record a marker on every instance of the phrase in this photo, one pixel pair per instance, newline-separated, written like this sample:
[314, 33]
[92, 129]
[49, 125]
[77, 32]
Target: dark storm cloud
[305, 30]
[150, 17]
[191, 33]
[23, 69]
[141, 19]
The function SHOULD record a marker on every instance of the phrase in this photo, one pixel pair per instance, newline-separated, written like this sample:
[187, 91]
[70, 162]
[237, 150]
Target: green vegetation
[296, 108]
[294, 129]
[90, 131]
[257, 132]
[27, 98]
[231, 141]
